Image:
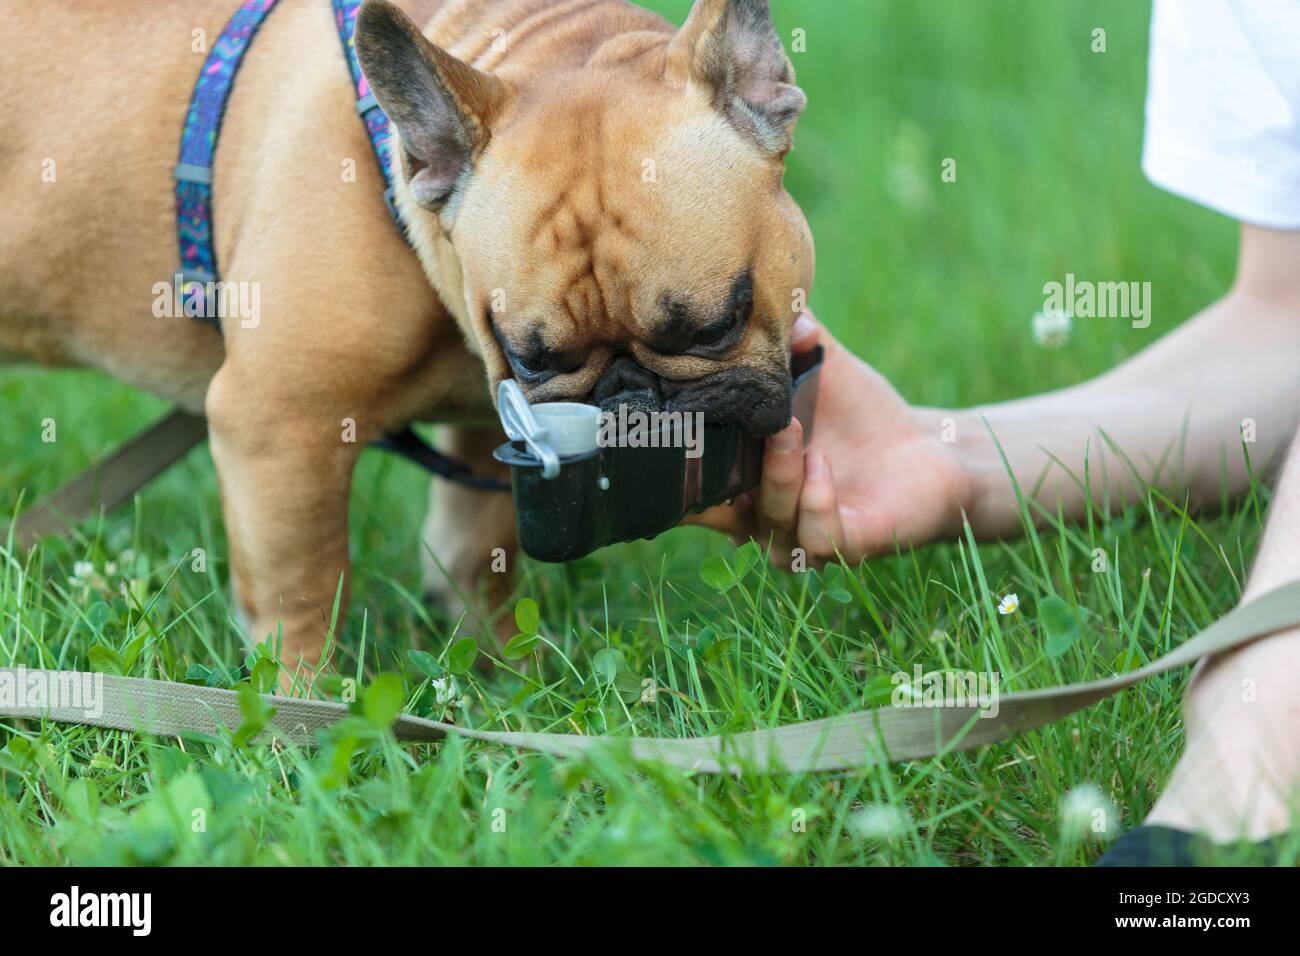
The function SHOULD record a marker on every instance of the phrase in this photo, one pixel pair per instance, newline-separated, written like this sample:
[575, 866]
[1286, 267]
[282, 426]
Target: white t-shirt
[1223, 107]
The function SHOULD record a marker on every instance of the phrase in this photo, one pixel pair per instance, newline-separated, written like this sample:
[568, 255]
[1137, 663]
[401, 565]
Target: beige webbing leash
[113, 479]
[860, 739]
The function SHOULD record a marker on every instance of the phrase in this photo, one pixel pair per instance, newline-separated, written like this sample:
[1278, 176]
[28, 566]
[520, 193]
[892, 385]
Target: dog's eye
[530, 366]
[716, 332]
[742, 303]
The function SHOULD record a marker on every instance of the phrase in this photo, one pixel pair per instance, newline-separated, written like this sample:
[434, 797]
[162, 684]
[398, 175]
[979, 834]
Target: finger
[820, 527]
[782, 550]
[735, 518]
[805, 334]
[778, 495]
[719, 518]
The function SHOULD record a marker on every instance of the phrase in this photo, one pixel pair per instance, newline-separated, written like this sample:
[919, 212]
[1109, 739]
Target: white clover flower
[1086, 812]
[111, 568]
[1009, 604]
[83, 571]
[879, 821]
[1052, 329]
[445, 691]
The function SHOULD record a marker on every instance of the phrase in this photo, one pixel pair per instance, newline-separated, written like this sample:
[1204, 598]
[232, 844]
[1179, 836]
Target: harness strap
[377, 126]
[193, 172]
[199, 275]
[865, 738]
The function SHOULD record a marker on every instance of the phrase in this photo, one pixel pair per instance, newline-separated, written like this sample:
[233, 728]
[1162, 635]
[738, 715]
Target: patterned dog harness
[194, 171]
[198, 274]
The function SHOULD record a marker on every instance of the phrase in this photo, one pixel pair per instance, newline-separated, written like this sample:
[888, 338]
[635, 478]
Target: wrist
[965, 445]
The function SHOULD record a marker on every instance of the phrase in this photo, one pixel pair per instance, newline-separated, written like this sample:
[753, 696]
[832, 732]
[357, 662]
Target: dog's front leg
[284, 481]
[468, 545]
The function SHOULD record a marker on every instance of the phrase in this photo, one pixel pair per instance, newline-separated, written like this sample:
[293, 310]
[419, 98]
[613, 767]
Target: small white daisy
[1009, 604]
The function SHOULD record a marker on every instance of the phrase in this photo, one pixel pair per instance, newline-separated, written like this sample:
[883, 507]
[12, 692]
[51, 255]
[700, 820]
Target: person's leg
[1239, 775]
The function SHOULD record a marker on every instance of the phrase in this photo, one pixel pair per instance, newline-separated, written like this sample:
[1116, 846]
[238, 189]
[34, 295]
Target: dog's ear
[442, 107]
[731, 47]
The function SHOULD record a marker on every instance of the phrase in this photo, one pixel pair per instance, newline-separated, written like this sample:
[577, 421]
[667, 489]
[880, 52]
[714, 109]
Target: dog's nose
[626, 382]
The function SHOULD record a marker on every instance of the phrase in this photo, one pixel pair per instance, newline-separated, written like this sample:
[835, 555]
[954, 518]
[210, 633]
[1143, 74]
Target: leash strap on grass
[860, 739]
[112, 480]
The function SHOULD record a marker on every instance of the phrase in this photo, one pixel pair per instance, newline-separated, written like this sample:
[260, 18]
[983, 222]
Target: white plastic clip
[521, 424]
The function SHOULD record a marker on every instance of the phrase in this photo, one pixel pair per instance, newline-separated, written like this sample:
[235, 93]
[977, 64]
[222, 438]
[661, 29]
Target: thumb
[732, 519]
[805, 334]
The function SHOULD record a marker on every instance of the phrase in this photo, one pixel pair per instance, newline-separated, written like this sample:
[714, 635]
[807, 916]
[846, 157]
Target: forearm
[1171, 416]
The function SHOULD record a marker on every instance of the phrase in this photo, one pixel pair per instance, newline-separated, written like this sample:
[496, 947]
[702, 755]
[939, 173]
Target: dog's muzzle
[627, 382]
[754, 400]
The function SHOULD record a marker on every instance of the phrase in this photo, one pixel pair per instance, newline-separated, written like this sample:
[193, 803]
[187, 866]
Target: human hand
[877, 471]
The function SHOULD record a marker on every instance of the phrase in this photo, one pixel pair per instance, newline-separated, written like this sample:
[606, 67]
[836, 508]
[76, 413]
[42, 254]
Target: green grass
[936, 284]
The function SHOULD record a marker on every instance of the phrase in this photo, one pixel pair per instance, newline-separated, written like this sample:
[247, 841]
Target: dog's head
[614, 230]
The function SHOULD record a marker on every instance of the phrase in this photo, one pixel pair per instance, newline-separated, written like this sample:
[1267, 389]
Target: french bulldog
[594, 198]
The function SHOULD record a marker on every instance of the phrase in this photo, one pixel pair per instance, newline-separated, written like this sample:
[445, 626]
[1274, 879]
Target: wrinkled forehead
[667, 325]
[599, 211]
